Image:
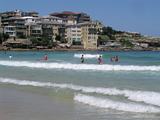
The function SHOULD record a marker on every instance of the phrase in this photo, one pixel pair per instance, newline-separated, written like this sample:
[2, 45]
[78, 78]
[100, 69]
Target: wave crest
[107, 103]
[87, 56]
[95, 67]
[148, 97]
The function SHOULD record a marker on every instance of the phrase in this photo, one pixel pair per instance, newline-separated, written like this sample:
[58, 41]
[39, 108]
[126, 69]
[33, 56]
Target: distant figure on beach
[100, 60]
[82, 59]
[45, 57]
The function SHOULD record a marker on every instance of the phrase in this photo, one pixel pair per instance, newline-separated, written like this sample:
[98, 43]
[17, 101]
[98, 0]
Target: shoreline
[70, 50]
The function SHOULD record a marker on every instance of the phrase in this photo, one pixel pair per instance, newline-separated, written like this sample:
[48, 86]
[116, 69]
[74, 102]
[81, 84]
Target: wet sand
[21, 105]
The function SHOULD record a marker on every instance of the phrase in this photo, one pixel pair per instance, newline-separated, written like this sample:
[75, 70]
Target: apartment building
[15, 27]
[72, 17]
[13, 22]
[52, 29]
[33, 30]
[89, 35]
[1, 30]
[10, 30]
[67, 27]
[31, 14]
[74, 34]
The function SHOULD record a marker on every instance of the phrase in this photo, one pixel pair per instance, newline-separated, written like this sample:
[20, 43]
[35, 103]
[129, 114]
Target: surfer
[82, 59]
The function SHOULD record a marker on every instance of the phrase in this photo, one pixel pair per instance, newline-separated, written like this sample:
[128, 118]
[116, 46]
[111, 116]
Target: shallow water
[63, 88]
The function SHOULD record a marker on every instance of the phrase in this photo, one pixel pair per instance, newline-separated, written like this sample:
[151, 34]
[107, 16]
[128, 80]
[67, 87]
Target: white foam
[148, 97]
[110, 104]
[95, 67]
[87, 56]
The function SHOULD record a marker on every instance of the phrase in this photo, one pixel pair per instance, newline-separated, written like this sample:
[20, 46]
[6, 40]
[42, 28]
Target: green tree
[3, 37]
[42, 41]
[126, 42]
[109, 31]
[58, 38]
[102, 39]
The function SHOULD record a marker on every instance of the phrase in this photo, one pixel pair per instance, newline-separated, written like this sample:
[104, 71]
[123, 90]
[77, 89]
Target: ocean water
[62, 88]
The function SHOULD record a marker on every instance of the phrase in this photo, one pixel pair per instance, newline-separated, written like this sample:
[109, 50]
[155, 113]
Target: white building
[49, 19]
[74, 34]
[10, 30]
[29, 20]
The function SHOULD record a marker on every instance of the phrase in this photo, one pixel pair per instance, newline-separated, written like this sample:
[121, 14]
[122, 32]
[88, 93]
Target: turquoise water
[63, 88]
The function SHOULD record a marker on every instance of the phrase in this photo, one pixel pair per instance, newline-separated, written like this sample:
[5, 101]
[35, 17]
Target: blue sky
[130, 15]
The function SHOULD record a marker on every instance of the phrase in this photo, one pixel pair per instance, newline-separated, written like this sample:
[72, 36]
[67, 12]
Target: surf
[148, 97]
[115, 105]
[94, 67]
[87, 56]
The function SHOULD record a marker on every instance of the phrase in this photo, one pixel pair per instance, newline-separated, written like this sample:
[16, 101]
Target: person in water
[100, 60]
[112, 59]
[45, 57]
[116, 58]
[82, 59]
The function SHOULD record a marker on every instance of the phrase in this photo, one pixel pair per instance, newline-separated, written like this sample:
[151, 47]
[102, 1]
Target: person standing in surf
[82, 59]
[100, 60]
[45, 57]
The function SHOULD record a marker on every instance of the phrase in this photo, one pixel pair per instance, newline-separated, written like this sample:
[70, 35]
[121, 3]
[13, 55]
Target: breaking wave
[110, 104]
[95, 67]
[148, 97]
[87, 56]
